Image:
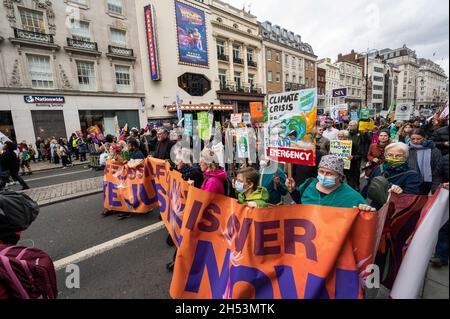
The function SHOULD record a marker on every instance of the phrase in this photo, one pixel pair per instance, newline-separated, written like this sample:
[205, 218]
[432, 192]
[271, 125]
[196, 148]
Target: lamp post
[415, 90]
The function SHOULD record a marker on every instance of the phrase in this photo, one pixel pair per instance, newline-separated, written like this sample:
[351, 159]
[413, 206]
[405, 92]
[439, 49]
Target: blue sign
[37, 99]
[340, 92]
[191, 29]
[188, 124]
[354, 116]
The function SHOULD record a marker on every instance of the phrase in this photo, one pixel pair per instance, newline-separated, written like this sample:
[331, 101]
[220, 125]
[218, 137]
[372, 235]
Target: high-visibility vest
[75, 142]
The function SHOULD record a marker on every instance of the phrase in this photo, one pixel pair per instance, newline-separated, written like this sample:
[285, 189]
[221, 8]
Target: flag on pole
[179, 112]
[122, 133]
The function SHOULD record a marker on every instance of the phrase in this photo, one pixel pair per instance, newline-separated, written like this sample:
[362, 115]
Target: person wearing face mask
[425, 158]
[249, 193]
[329, 188]
[401, 177]
[274, 182]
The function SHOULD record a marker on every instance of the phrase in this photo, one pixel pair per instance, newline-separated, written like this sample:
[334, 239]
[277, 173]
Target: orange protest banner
[129, 189]
[230, 251]
[256, 110]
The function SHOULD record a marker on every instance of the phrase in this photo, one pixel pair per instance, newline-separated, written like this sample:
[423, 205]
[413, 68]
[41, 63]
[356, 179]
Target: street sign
[340, 92]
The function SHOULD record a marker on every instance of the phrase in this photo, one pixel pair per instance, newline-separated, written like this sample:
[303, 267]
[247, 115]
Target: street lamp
[415, 90]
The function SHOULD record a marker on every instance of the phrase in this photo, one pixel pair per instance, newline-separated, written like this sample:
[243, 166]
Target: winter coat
[214, 181]
[192, 173]
[260, 196]
[9, 161]
[275, 195]
[163, 149]
[439, 137]
[435, 162]
[444, 171]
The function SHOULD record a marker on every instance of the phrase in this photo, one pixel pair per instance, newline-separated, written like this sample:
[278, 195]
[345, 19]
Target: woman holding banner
[329, 188]
[401, 178]
[215, 178]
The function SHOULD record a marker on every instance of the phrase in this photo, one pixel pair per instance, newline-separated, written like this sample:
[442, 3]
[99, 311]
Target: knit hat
[334, 163]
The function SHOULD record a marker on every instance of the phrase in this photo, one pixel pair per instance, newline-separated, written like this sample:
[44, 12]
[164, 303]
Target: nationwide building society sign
[38, 100]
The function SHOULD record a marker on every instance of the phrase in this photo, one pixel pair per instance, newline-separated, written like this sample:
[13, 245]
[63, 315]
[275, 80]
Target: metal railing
[222, 57]
[252, 63]
[120, 51]
[83, 45]
[238, 60]
[33, 36]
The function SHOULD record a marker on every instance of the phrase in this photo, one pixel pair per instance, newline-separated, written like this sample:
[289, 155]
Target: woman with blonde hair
[215, 178]
[404, 134]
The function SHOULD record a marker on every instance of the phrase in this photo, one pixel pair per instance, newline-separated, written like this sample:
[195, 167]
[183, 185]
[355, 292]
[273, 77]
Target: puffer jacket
[260, 196]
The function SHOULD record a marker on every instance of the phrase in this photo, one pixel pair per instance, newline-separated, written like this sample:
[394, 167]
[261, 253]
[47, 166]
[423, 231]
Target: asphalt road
[135, 270]
[58, 176]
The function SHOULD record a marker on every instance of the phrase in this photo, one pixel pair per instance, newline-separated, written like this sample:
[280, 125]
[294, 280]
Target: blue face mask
[239, 187]
[327, 181]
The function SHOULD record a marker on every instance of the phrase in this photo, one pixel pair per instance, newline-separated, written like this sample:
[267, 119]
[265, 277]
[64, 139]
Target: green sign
[364, 114]
[265, 114]
[204, 129]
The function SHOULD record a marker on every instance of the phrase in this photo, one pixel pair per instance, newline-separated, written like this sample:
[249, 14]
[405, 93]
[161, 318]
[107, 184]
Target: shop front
[240, 100]
[221, 112]
[26, 117]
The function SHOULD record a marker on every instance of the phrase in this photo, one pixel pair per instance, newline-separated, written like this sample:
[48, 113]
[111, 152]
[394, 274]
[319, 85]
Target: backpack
[26, 273]
[17, 211]
[379, 187]
[24, 156]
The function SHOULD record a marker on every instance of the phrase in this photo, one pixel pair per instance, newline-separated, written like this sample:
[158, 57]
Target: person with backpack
[9, 162]
[82, 149]
[25, 158]
[248, 191]
[395, 175]
[329, 188]
[215, 178]
[73, 144]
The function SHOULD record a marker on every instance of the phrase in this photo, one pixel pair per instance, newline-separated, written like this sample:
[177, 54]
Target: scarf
[395, 170]
[424, 159]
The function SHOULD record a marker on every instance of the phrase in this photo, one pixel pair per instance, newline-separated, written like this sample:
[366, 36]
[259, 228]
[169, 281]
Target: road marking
[59, 175]
[102, 248]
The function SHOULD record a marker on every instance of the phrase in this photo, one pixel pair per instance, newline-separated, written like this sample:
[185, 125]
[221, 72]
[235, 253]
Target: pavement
[44, 166]
[119, 259]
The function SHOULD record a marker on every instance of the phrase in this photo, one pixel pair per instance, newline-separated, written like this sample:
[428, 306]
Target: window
[236, 52]
[220, 48]
[269, 76]
[278, 79]
[123, 79]
[269, 55]
[115, 6]
[86, 75]
[353, 92]
[287, 77]
[249, 55]
[294, 79]
[223, 78]
[81, 31]
[32, 20]
[278, 57]
[119, 37]
[237, 79]
[293, 62]
[286, 60]
[40, 71]
[251, 80]
[194, 84]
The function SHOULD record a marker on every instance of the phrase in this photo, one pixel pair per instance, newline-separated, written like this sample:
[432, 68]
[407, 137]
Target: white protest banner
[337, 112]
[403, 111]
[4, 138]
[247, 119]
[292, 120]
[242, 142]
[414, 266]
[342, 149]
[236, 119]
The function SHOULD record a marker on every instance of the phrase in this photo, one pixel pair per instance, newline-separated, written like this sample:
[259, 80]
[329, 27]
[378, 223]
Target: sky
[333, 27]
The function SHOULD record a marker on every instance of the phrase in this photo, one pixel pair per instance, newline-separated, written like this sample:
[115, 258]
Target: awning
[200, 108]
